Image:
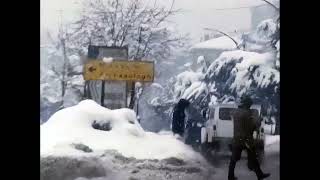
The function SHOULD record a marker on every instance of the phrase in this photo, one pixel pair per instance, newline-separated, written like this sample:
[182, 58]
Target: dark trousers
[253, 163]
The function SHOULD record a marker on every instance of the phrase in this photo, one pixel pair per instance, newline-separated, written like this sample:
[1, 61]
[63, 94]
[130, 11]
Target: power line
[219, 9]
[243, 7]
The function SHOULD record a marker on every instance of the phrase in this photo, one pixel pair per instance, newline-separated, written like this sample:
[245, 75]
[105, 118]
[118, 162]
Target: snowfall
[72, 149]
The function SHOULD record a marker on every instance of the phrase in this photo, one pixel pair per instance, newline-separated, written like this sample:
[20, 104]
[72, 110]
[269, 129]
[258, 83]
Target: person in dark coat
[245, 123]
[194, 123]
[178, 118]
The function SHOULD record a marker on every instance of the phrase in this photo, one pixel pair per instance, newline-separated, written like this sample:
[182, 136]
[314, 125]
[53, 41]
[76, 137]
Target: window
[225, 113]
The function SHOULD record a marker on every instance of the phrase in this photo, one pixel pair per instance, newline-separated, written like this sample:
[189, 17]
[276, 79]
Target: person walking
[244, 125]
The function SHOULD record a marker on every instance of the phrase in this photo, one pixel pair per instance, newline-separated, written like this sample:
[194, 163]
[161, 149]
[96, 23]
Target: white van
[218, 128]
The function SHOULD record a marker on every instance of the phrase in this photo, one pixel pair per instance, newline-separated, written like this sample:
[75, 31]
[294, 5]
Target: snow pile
[107, 59]
[220, 43]
[73, 125]
[270, 140]
[245, 63]
[272, 143]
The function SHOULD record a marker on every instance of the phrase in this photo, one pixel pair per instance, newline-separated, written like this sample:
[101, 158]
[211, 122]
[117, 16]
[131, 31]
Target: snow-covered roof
[221, 43]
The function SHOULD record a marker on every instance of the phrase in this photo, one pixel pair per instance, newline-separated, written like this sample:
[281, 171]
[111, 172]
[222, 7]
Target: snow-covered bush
[61, 83]
[238, 71]
[189, 85]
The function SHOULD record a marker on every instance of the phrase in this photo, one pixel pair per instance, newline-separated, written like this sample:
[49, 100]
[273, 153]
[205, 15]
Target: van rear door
[225, 123]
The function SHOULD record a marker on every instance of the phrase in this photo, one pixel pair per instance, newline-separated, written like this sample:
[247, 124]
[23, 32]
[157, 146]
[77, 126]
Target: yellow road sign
[119, 70]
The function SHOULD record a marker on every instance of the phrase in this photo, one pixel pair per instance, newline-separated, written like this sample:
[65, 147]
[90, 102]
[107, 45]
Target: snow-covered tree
[143, 27]
[254, 70]
[188, 84]
[61, 75]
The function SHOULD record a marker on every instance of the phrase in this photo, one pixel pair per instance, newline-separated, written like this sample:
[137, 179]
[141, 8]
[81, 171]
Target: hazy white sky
[196, 14]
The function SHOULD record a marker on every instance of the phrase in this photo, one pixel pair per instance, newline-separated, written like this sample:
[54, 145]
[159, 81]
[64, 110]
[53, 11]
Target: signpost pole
[138, 110]
[117, 74]
[102, 92]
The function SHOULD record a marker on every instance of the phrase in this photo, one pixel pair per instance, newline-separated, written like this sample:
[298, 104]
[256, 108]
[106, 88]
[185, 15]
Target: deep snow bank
[272, 144]
[73, 125]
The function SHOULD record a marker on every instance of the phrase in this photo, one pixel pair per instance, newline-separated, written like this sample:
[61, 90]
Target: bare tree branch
[237, 44]
[274, 6]
[56, 72]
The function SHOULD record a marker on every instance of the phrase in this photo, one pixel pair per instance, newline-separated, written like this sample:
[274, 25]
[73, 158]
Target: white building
[212, 48]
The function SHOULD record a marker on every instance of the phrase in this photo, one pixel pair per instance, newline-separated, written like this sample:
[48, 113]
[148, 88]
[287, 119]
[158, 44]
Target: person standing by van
[244, 125]
[178, 118]
[194, 123]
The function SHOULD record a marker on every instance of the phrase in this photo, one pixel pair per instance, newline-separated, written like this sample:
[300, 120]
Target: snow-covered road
[71, 148]
[113, 166]
[271, 163]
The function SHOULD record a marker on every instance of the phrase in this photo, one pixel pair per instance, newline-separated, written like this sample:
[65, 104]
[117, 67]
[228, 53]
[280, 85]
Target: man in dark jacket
[194, 122]
[244, 125]
[178, 119]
